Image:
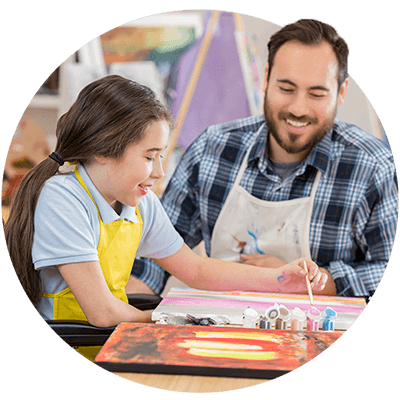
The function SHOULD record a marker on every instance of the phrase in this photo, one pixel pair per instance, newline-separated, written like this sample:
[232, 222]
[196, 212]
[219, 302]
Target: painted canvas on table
[212, 351]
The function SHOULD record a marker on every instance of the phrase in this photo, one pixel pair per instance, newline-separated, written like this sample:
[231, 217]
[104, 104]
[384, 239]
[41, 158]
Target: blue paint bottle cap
[329, 313]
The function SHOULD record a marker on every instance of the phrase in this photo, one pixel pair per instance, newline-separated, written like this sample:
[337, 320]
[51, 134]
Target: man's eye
[150, 158]
[286, 90]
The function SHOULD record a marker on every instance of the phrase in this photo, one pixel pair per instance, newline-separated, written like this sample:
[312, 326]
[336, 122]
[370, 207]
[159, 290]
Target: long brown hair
[108, 115]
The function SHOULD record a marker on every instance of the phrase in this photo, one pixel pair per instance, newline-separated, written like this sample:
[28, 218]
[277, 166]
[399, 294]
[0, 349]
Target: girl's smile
[129, 178]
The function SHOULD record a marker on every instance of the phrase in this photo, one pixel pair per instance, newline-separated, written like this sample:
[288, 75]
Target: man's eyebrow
[156, 149]
[286, 81]
[320, 88]
[317, 87]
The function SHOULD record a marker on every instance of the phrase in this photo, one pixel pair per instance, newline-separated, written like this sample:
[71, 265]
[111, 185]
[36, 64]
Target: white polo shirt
[67, 229]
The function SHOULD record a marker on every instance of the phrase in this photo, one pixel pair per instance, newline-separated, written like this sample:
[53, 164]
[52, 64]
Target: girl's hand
[292, 277]
[262, 260]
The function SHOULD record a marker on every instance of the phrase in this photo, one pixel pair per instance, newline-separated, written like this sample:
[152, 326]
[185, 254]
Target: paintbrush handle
[308, 285]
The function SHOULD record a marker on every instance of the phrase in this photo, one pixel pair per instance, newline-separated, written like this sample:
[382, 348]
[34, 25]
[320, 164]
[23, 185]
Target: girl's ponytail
[108, 115]
[20, 226]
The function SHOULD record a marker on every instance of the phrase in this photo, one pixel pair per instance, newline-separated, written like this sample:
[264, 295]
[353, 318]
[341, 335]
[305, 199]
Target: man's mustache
[303, 119]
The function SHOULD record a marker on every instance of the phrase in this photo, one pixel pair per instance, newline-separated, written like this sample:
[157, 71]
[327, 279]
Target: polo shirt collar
[107, 213]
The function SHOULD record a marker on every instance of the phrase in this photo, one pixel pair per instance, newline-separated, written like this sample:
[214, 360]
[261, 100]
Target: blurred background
[206, 66]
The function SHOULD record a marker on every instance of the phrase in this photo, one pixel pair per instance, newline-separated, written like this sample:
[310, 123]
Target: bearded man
[294, 182]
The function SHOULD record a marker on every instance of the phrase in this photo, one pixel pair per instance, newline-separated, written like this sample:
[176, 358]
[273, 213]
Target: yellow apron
[118, 243]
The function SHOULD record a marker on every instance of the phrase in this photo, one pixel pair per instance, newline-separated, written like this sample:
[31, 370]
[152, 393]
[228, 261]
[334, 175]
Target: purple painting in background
[220, 94]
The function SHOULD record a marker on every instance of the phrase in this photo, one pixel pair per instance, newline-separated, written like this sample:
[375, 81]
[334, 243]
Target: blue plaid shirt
[354, 217]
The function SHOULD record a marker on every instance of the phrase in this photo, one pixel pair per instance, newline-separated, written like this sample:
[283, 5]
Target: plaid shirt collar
[318, 158]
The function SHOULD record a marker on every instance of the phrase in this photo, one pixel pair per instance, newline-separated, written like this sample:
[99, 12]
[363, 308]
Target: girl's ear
[101, 159]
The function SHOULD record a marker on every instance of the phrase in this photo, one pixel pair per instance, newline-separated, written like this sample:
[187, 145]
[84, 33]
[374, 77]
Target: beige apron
[248, 225]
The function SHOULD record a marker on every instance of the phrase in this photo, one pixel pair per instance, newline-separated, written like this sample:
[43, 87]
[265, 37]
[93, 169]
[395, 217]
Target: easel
[194, 78]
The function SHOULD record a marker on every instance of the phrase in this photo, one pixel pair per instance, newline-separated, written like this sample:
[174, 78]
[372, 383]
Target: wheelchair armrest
[81, 333]
[144, 301]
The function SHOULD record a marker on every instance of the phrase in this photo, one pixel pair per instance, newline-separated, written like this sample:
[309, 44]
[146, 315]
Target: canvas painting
[159, 44]
[211, 351]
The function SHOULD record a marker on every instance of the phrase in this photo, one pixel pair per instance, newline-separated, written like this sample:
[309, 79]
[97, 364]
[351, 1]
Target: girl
[81, 216]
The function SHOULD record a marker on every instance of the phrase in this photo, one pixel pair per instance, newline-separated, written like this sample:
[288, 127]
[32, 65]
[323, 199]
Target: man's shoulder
[216, 139]
[356, 139]
[237, 126]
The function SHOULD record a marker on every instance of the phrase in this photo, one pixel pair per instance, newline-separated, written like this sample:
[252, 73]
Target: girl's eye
[150, 158]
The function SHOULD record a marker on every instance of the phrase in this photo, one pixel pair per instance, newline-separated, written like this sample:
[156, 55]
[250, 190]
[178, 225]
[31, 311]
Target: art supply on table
[297, 319]
[283, 319]
[271, 315]
[201, 321]
[263, 322]
[313, 318]
[329, 317]
[210, 350]
[308, 285]
[227, 307]
[250, 317]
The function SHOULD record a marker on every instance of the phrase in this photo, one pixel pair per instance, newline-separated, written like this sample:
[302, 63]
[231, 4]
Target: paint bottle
[298, 318]
[313, 317]
[250, 317]
[271, 315]
[329, 316]
[284, 317]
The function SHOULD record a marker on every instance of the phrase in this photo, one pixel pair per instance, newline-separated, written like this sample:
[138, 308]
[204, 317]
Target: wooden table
[190, 383]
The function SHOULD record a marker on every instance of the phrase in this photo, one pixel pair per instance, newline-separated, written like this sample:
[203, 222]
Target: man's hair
[311, 33]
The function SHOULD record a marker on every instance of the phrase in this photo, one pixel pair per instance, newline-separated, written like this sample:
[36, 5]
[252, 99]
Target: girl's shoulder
[65, 192]
[67, 182]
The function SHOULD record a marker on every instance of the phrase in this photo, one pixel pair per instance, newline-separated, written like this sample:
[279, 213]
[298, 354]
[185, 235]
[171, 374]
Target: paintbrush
[308, 285]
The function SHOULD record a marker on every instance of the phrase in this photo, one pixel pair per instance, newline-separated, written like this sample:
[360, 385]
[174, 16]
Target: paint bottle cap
[272, 313]
[329, 313]
[298, 314]
[314, 313]
[284, 313]
[250, 313]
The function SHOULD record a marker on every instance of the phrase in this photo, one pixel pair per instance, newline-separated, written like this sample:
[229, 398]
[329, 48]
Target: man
[292, 182]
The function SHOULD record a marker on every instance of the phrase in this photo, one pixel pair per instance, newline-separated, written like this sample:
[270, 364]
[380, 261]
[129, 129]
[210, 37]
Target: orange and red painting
[213, 351]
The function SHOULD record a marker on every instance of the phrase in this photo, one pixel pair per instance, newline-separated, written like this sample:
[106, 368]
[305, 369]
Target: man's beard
[291, 145]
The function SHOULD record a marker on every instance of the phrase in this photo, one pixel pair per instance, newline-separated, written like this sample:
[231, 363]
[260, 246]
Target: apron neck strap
[80, 180]
[243, 166]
